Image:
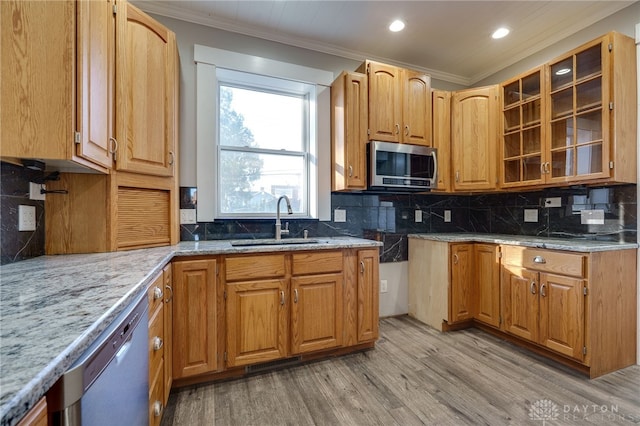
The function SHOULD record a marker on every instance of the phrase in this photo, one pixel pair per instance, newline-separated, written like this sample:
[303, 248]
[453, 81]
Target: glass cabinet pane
[531, 143]
[531, 168]
[512, 93]
[562, 163]
[562, 103]
[512, 170]
[561, 74]
[589, 127]
[589, 159]
[562, 133]
[589, 94]
[512, 145]
[531, 113]
[531, 86]
[512, 119]
[588, 62]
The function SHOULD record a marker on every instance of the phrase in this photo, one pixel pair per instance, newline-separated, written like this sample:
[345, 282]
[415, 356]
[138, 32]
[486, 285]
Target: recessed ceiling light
[396, 26]
[563, 71]
[500, 32]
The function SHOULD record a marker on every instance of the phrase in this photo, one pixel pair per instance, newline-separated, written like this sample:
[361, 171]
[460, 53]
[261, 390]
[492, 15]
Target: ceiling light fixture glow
[499, 33]
[396, 26]
[563, 71]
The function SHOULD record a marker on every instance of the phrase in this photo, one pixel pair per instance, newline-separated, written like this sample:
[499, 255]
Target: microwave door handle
[435, 168]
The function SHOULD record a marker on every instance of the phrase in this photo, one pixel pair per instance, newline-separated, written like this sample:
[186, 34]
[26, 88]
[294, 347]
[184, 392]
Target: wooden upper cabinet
[96, 81]
[145, 88]
[592, 119]
[441, 137]
[474, 138]
[349, 131]
[399, 104]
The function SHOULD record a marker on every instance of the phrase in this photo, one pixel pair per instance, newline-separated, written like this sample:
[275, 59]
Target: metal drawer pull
[543, 291]
[533, 287]
[539, 259]
[295, 295]
[157, 343]
[157, 293]
[168, 287]
[157, 408]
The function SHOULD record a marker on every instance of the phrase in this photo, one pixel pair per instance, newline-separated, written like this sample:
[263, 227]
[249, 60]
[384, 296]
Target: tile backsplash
[14, 191]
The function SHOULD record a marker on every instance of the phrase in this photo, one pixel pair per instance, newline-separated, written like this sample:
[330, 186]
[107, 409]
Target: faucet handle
[285, 231]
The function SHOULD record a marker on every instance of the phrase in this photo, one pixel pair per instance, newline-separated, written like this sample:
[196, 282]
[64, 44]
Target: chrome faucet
[279, 230]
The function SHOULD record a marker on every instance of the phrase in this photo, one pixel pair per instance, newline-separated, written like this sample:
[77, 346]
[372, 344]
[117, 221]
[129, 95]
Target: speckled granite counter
[585, 246]
[53, 307]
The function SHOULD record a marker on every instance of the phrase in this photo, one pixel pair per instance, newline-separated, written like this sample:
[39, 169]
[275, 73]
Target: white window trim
[207, 58]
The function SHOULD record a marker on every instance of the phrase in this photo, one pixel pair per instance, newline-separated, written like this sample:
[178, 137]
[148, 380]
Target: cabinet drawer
[250, 267]
[155, 294]
[571, 264]
[156, 347]
[318, 262]
[156, 402]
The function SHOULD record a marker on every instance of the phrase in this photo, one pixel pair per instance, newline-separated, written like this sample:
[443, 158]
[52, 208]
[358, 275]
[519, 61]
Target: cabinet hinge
[499, 255]
[225, 295]
[610, 47]
[611, 106]
[368, 69]
[225, 355]
[368, 131]
[584, 291]
[584, 350]
[77, 138]
[611, 164]
[115, 9]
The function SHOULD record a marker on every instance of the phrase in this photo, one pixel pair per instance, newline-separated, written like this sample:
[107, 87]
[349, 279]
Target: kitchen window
[259, 124]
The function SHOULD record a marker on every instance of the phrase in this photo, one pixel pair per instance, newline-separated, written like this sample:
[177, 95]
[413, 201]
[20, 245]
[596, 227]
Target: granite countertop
[53, 307]
[585, 246]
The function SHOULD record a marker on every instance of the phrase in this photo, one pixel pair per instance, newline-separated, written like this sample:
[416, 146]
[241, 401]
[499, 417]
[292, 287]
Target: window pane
[252, 183]
[261, 120]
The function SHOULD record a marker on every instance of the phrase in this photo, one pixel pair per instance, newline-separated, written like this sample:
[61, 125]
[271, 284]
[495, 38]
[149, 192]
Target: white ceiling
[449, 39]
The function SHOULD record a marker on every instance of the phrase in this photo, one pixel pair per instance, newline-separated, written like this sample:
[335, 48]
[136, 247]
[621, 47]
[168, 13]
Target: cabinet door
[95, 80]
[461, 290]
[368, 288]
[441, 128]
[145, 93]
[416, 108]
[316, 312]
[474, 138]
[520, 302]
[349, 131]
[562, 314]
[487, 281]
[194, 327]
[257, 321]
[168, 330]
[37, 416]
[385, 104]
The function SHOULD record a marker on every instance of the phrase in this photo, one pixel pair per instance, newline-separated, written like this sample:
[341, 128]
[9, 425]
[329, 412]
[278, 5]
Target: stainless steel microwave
[401, 167]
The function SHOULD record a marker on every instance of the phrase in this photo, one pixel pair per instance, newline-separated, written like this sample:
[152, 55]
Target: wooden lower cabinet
[461, 289]
[487, 283]
[195, 307]
[37, 416]
[157, 349]
[368, 295]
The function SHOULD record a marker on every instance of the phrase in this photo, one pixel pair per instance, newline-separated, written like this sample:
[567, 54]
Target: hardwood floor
[414, 376]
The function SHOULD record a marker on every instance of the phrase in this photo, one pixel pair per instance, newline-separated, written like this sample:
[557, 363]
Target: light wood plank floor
[414, 376]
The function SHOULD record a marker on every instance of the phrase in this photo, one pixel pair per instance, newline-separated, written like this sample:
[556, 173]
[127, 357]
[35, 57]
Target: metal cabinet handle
[157, 408]
[113, 145]
[362, 267]
[282, 297]
[547, 167]
[406, 130]
[542, 171]
[457, 175]
[543, 290]
[157, 293]
[157, 343]
[532, 287]
[350, 171]
[295, 295]
[539, 259]
[455, 258]
[168, 287]
[397, 128]
[171, 158]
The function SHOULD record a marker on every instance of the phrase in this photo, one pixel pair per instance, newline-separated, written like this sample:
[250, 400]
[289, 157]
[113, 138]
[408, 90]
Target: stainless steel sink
[273, 242]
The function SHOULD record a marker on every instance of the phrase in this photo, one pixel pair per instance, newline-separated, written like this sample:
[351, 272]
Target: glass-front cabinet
[523, 147]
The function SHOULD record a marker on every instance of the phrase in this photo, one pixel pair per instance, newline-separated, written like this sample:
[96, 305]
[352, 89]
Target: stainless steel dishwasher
[109, 383]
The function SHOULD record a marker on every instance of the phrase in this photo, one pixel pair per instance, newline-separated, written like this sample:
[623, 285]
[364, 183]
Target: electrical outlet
[553, 202]
[339, 215]
[26, 218]
[592, 217]
[383, 286]
[34, 191]
[187, 216]
[530, 215]
[447, 215]
[418, 215]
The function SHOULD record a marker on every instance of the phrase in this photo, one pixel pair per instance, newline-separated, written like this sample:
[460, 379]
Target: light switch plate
[384, 286]
[187, 216]
[339, 215]
[447, 215]
[553, 202]
[26, 218]
[418, 215]
[34, 191]
[530, 215]
[592, 217]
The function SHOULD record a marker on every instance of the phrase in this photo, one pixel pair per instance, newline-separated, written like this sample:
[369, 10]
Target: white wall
[638, 193]
[396, 300]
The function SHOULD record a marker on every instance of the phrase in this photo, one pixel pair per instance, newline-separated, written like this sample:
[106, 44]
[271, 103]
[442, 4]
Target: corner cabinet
[474, 138]
[399, 104]
[349, 132]
[591, 113]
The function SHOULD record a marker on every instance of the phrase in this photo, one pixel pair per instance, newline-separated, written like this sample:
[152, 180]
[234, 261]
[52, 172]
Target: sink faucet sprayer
[279, 230]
